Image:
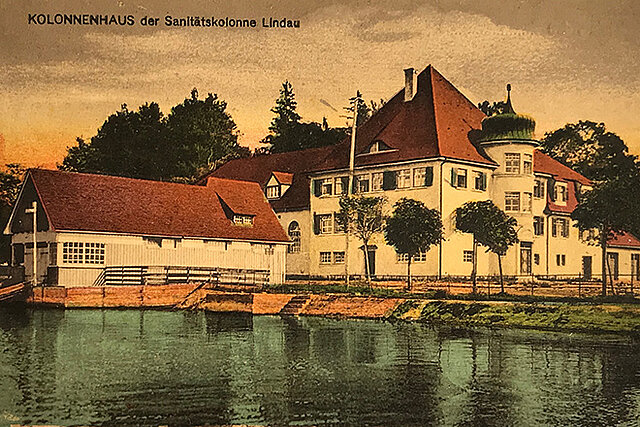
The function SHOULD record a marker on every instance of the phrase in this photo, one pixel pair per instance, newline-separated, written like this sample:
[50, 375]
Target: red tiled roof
[545, 164]
[436, 122]
[100, 203]
[283, 177]
[259, 169]
[626, 240]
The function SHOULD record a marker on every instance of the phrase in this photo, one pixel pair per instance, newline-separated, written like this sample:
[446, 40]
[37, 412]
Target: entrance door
[635, 267]
[525, 258]
[587, 266]
[612, 265]
[371, 255]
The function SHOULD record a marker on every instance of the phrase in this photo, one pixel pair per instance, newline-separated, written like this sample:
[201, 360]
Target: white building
[91, 228]
[430, 143]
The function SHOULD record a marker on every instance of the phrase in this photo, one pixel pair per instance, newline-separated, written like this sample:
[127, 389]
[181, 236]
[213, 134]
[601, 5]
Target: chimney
[410, 84]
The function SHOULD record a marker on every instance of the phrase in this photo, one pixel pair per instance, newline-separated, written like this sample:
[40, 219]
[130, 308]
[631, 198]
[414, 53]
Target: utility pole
[34, 210]
[352, 155]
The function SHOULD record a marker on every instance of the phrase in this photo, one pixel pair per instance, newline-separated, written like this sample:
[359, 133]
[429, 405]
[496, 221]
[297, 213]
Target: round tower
[508, 139]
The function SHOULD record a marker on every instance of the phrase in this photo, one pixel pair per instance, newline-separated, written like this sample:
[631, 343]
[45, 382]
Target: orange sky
[566, 60]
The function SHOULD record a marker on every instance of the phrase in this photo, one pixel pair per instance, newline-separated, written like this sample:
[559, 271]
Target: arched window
[294, 235]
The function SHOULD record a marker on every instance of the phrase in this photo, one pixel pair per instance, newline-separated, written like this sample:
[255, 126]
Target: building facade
[430, 143]
[92, 225]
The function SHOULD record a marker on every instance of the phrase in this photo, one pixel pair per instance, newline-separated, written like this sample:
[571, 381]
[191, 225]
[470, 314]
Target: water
[80, 367]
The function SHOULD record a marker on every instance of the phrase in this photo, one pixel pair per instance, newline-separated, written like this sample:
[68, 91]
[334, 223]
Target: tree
[588, 148]
[491, 109]
[411, 229]
[200, 132]
[365, 218]
[145, 144]
[289, 133]
[10, 181]
[490, 227]
[610, 209]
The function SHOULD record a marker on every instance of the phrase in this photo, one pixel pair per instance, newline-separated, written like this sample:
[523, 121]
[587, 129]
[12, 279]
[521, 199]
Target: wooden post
[34, 210]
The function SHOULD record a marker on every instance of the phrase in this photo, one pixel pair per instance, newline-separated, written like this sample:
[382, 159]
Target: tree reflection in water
[187, 368]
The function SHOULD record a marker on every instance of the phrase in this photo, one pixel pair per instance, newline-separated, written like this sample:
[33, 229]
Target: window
[403, 178]
[561, 259]
[326, 187]
[480, 180]
[526, 202]
[340, 185]
[561, 192]
[536, 259]
[467, 256]
[462, 178]
[511, 201]
[72, 252]
[538, 225]
[362, 183]
[245, 220]
[376, 181]
[325, 257]
[294, 235]
[338, 257]
[269, 250]
[94, 253]
[588, 235]
[527, 164]
[538, 189]
[326, 224]
[419, 257]
[512, 163]
[560, 227]
[423, 177]
[79, 253]
[273, 192]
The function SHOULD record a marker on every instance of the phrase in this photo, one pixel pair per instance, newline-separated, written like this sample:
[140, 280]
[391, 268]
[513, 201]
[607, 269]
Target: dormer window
[561, 193]
[376, 147]
[273, 192]
[243, 220]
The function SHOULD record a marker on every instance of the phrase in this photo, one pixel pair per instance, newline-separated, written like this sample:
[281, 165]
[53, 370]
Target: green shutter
[483, 180]
[316, 224]
[551, 186]
[428, 176]
[317, 187]
[389, 180]
[454, 177]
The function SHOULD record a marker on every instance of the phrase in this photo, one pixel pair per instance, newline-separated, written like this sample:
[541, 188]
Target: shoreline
[593, 315]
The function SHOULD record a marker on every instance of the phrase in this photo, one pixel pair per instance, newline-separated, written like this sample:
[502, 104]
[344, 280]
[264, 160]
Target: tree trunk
[367, 267]
[409, 273]
[603, 245]
[346, 256]
[500, 269]
[475, 264]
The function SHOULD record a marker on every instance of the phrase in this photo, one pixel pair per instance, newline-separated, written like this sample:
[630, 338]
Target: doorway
[587, 267]
[525, 258]
[612, 265]
[371, 256]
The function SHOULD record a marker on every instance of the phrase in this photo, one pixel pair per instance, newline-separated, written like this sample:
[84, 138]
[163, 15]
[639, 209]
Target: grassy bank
[544, 316]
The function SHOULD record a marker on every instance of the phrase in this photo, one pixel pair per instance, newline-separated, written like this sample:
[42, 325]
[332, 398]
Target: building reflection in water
[152, 367]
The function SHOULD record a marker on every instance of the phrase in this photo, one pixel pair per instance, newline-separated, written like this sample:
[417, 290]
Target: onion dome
[507, 125]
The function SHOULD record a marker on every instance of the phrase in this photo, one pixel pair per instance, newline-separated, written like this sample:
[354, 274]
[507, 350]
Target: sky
[566, 60]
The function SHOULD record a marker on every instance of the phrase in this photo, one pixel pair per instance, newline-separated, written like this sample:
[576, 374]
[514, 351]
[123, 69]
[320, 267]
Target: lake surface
[110, 367]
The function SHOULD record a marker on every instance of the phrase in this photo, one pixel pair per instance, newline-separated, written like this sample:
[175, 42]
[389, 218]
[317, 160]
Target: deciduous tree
[490, 227]
[364, 217]
[412, 228]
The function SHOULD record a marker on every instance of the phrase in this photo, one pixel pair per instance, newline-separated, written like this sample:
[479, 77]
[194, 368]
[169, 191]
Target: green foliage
[490, 226]
[145, 144]
[413, 228]
[588, 148]
[491, 109]
[10, 180]
[289, 133]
